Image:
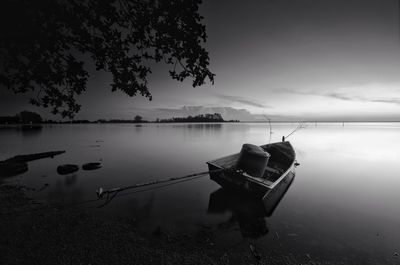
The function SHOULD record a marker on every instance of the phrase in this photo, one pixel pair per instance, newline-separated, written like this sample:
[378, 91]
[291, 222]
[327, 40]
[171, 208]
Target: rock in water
[18, 164]
[31, 157]
[67, 169]
[91, 166]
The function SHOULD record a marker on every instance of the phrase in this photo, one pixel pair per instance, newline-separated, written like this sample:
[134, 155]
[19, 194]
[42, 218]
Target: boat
[278, 162]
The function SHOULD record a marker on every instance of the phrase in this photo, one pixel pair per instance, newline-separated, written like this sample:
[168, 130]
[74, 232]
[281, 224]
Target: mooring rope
[115, 192]
[112, 193]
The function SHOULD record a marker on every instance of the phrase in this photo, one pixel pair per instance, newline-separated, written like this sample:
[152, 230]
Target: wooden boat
[281, 163]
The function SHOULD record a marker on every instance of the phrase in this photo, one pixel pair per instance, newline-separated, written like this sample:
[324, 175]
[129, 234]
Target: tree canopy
[44, 46]
[138, 118]
[29, 117]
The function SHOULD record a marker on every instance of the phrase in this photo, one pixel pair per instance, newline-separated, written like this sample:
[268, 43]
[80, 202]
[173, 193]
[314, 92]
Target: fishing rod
[300, 126]
[112, 193]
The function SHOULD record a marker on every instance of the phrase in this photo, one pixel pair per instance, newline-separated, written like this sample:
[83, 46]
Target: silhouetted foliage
[44, 44]
[138, 118]
[216, 117]
[8, 120]
[29, 117]
[21, 118]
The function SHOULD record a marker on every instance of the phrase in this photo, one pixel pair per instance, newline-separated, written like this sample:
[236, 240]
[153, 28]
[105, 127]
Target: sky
[282, 59]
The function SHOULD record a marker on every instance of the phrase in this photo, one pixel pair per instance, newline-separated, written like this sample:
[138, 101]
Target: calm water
[344, 203]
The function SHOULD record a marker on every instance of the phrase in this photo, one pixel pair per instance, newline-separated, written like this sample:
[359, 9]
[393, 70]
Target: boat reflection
[249, 213]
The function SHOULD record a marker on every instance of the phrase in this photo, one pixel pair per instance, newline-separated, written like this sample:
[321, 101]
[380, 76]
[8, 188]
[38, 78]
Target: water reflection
[363, 156]
[200, 126]
[249, 213]
[30, 130]
[70, 179]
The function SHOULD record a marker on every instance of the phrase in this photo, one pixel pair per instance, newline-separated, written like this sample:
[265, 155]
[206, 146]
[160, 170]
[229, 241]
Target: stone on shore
[91, 166]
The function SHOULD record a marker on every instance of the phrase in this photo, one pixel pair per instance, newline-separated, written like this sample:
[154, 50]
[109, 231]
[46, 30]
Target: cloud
[390, 100]
[339, 96]
[242, 100]
[342, 96]
[168, 109]
[293, 91]
[364, 99]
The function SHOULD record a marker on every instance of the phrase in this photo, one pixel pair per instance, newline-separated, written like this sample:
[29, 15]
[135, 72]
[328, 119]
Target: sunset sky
[306, 59]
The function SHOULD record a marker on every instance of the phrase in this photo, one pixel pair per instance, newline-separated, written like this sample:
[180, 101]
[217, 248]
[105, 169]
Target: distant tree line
[27, 117]
[137, 119]
[216, 117]
[24, 117]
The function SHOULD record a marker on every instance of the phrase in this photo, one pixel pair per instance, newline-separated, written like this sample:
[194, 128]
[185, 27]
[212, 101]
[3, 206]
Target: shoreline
[54, 235]
[57, 235]
[71, 236]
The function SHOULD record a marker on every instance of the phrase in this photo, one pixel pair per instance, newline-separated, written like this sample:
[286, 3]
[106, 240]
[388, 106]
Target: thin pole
[270, 128]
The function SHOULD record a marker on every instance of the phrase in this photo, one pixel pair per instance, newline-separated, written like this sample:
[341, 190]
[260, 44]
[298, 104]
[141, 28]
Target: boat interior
[282, 157]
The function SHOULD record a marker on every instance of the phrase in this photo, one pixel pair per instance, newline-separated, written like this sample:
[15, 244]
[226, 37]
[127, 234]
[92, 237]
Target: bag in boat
[253, 160]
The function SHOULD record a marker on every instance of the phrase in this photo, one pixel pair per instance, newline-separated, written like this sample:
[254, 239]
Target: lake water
[343, 205]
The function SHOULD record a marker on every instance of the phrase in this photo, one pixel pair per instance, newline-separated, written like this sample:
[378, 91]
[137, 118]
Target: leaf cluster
[45, 46]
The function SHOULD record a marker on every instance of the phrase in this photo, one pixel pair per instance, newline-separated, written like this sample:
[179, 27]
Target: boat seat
[272, 170]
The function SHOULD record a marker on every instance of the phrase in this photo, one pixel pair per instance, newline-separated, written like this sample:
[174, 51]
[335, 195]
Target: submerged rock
[67, 169]
[91, 166]
[31, 157]
[18, 164]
